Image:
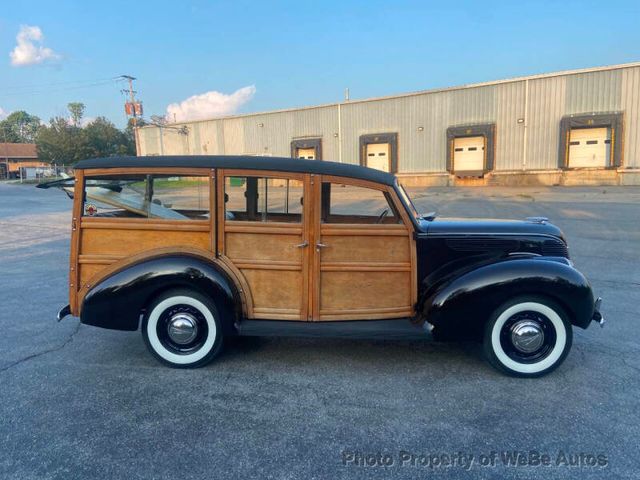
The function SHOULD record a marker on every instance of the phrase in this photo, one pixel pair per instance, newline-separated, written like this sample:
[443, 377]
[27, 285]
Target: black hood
[472, 226]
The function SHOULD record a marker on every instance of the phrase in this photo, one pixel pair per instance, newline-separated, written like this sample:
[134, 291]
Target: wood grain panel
[354, 248]
[146, 224]
[275, 289]
[88, 271]
[368, 293]
[76, 224]
[263, 247]
[129, 242]
[365, 267]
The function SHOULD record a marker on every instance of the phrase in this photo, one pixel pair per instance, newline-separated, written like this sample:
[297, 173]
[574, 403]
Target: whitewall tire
[528, 336]
[182, 329]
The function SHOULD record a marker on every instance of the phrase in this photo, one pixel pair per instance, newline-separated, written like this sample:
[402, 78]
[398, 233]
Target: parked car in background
[196, 249]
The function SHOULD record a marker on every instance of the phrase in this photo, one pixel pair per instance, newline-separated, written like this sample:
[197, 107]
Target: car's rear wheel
[182, 329]
[528, 336]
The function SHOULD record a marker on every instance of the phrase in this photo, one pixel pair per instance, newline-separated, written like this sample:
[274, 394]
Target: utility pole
[132, 99]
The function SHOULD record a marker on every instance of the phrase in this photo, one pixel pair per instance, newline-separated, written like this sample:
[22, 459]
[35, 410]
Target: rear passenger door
[263, 235]
[363, 252]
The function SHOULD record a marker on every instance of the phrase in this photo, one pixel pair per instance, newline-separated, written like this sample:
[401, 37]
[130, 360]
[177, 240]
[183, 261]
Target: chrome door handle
[303, 244]
[320, 245]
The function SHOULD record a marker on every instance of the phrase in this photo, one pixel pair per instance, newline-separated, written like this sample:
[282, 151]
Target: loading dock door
[379, 156]
[589, 147]
[308, 153]
[468, 155]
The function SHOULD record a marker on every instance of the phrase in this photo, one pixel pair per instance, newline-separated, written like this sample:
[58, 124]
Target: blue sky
[293, 53]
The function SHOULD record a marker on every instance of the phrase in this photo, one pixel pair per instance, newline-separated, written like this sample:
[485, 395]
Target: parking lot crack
[68, 340]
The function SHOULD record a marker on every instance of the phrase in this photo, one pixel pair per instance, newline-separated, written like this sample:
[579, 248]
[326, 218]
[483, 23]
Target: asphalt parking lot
[80, 402]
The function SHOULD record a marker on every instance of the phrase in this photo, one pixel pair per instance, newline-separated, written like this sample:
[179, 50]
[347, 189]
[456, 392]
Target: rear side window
[262, 199]
[147, 196]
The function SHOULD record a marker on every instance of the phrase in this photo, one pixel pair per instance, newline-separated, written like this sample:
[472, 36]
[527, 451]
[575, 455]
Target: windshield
[407, 200]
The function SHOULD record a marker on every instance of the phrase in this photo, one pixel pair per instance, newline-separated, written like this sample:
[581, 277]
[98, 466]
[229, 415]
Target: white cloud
[209, 105]
[29, 49]
[3, 113]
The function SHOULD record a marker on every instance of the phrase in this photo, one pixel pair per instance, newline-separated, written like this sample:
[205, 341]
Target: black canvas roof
[282, 164]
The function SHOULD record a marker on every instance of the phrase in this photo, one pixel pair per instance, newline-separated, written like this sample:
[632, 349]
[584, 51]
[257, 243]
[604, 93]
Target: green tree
[103, 139]
[76, 109]
[19, 127]
[60, 142]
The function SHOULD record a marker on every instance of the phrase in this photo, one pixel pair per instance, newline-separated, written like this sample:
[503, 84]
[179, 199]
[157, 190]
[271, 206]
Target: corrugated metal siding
[149, 141]
[207, 140]
[424, 150]
[546, 108]
[233, 134]
[630, 93]
[510, 99]
[174, 142]
[593, 92]
[278, 129]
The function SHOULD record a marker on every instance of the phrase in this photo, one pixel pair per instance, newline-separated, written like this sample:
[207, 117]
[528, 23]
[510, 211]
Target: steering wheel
[384, 213]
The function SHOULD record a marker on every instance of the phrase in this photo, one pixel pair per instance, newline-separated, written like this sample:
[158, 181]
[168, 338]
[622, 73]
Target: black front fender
[117, 301]
[467, 300]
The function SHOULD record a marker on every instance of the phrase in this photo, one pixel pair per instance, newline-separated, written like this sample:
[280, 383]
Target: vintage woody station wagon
[198, 248]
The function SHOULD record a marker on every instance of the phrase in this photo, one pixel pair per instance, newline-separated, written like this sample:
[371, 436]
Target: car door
[263, 235]
[363, 252]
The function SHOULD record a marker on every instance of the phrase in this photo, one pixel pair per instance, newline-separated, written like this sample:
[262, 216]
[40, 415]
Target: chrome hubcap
[527, 336]
[182, 328]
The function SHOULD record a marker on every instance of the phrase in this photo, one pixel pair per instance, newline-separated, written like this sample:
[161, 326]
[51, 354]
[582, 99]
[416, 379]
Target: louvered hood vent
[483, 244]
[549, 247]
[555, 248]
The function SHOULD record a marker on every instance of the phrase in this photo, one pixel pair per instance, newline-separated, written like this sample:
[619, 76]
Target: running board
[398, 329]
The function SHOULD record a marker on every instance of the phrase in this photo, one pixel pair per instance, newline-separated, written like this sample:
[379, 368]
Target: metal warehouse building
[570, 128]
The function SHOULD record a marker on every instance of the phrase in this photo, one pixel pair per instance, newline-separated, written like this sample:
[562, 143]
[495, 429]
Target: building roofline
[411, 94]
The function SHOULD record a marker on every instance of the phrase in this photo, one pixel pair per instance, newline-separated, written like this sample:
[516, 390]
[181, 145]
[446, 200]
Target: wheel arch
[465, 302]
[118, 299]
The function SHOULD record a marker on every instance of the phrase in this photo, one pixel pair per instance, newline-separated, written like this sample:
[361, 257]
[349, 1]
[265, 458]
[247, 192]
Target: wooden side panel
[76, 224]
[364, 271]
[364, 295]
[264, 247]
[271, 257]
[272, 265]
[129, 242]
[101, 247]
[365, 277]
[359, 248]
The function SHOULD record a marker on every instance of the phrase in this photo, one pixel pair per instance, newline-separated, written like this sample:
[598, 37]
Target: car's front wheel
[182, 329]
[528, 336]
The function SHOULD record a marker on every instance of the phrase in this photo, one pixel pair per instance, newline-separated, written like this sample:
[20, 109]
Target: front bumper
[597, 316]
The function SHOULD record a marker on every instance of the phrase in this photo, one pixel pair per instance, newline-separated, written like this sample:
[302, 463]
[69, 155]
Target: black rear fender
[117, 301]
[465, 302]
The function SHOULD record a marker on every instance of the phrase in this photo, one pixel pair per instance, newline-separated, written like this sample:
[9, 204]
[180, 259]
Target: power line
[54, 84]
[55, 90]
